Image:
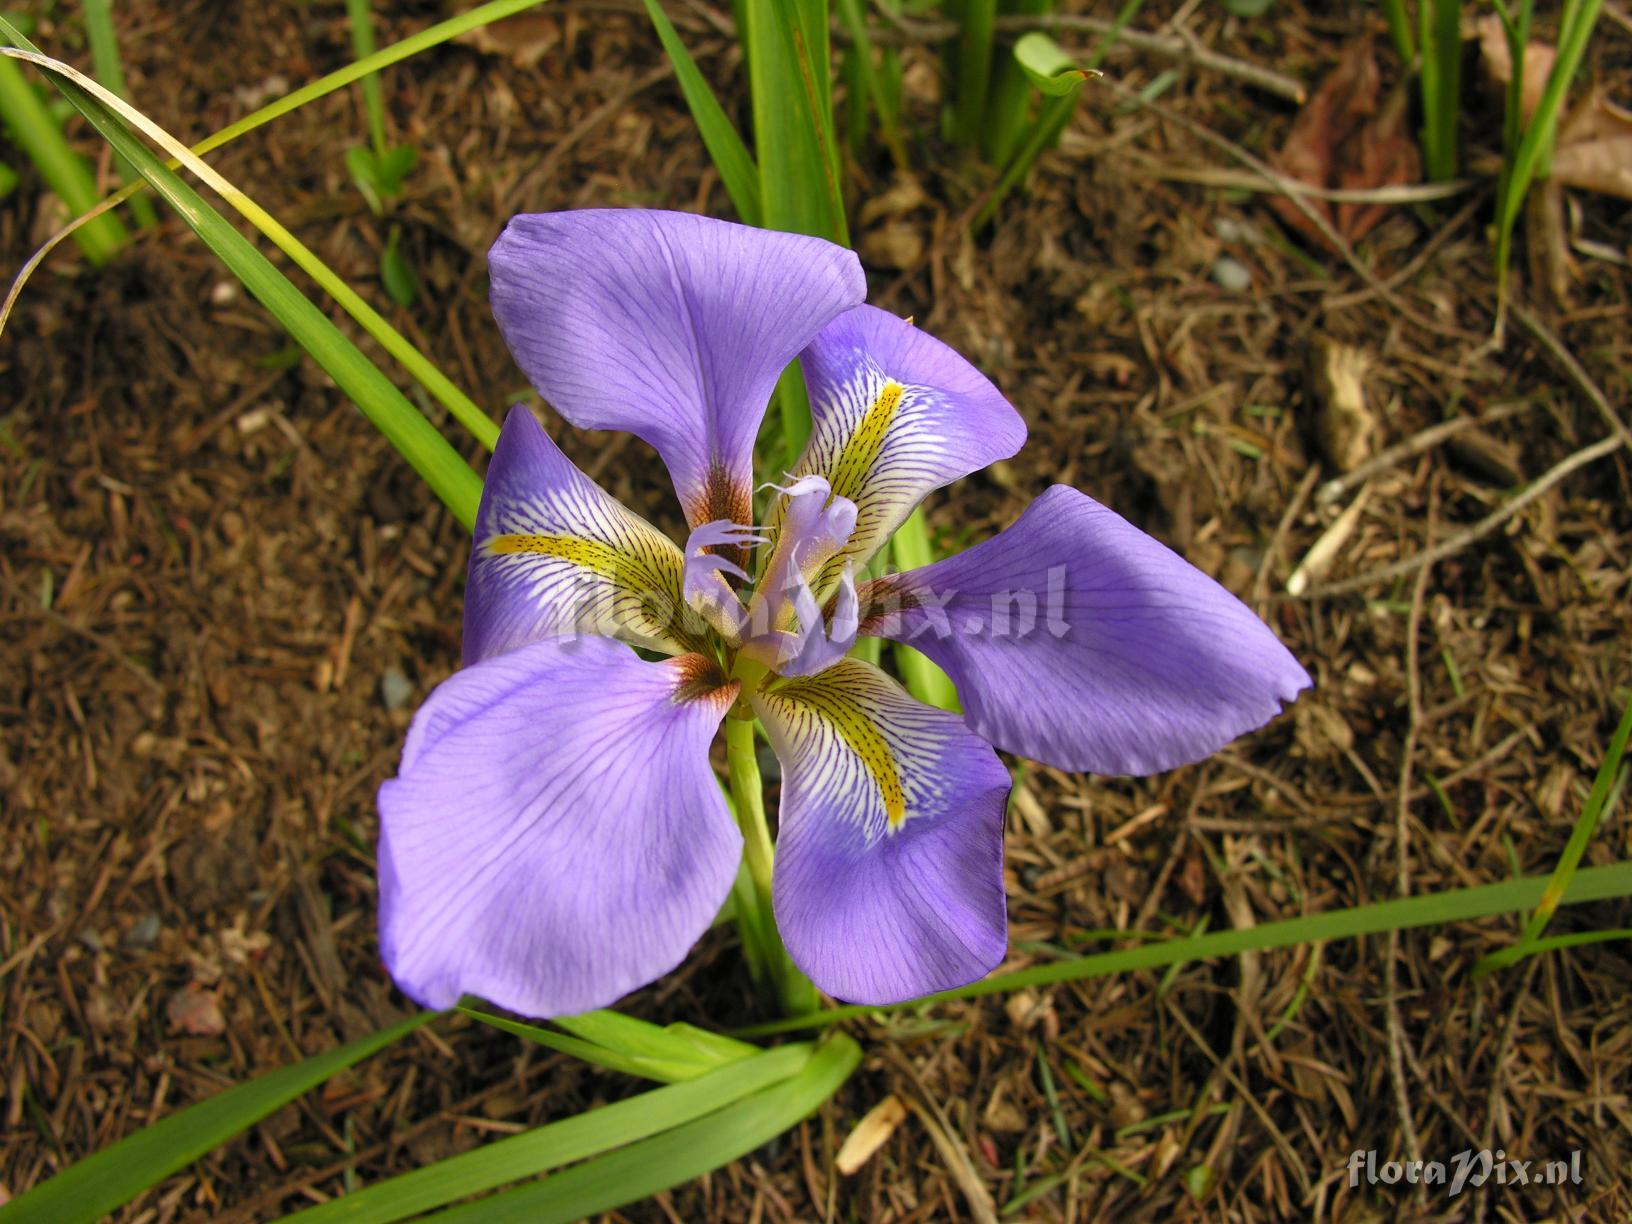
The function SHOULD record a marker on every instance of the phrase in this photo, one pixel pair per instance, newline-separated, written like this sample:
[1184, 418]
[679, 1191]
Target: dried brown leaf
[1595, 147]
[870, 1134]
[1498, 61]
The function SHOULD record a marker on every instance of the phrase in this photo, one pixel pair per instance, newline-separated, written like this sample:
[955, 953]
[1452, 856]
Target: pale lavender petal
[704, 585]
[888, 881]
[896, 414]
[819, 643]
[786, 630]
[1076, 639]
[554, 554]
[671, 326]
[555, 836]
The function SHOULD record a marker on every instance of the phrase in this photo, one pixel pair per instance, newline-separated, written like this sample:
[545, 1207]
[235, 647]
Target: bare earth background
[223, 595]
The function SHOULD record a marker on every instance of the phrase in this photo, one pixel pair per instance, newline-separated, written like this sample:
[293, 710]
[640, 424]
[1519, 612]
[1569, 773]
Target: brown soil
[214, 572]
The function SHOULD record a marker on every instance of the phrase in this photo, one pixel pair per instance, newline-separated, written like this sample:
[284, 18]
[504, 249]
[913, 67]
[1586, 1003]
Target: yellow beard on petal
[826, 696]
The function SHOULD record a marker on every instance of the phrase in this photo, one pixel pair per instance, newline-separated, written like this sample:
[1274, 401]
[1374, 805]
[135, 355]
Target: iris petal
[888, 881]
[670, 326]
[1077, 640]
[555, 554]
[896, 414]
[555, 836]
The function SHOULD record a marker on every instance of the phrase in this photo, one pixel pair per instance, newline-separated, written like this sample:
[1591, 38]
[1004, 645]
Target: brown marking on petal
[699, 678]
[879, 599]
[723, 498]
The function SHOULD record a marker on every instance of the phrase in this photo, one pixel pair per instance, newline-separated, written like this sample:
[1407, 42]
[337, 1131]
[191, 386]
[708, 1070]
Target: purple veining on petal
[896, 414]
[555, 837]
[889, 865]
[671, 326]
[554, 554]
[1076, 639]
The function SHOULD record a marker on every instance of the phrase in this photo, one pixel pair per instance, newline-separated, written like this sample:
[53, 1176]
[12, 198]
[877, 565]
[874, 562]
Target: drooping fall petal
[1076, 639]
[671, 326]
[554, 554]
[555, 836]
[888, 881]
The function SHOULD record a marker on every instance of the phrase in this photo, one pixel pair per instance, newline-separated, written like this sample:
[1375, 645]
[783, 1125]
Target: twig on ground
[1573, 370]
[1414, 445]
[1479, 530]
[1272, 553]
[922, 1103]
[1186, 50]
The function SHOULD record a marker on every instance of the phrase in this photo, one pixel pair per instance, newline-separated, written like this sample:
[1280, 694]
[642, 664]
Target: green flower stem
[749, 795]
[911, 549]
[763, 945]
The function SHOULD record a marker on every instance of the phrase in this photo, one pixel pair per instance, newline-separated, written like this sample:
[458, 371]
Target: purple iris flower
[556, 836]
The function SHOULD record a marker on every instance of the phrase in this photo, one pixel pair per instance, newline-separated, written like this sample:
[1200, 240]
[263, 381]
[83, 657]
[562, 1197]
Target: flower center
[782, 629]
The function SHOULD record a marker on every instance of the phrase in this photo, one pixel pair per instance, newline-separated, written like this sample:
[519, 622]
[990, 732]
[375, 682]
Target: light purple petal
[704, 586]
[554, 554]
[670, 326]
[1076, 639]
[785, 627]
[888, 881]
[555, 836]
[896, 414]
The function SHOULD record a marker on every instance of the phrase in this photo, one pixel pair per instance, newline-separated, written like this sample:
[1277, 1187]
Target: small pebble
[144, 934]
[396, 690]
[1232, 274]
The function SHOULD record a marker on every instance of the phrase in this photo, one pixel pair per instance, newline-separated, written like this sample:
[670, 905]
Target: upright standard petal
[555, 836]
[896, 414]
[1076, 639]
[888, 881]
[670, 326]
[556, 555]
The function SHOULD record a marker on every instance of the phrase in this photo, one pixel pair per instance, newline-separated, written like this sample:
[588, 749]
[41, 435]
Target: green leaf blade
[559, 1143]
[641, 1169]
[89, 1189]
[730, 155]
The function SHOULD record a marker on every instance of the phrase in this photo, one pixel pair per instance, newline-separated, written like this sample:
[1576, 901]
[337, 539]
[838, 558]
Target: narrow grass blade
[1399, 30]
[793, 128]
[622, 1043]
[675, 1156]
[96, 1185]
[1441, 84]
[872, 82]
[428, 376]
[1058, 109]
[1458, 905]
[910, 549]
[110, 70]
[463, 409]
[1009, 104]
[362, 46]
[679, 1041]
[720, 138]
[33, 130]
[1536, 142]
[793, 404]
[560, 1143]
[386, 407]
[973, 70]
[1603, 786]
